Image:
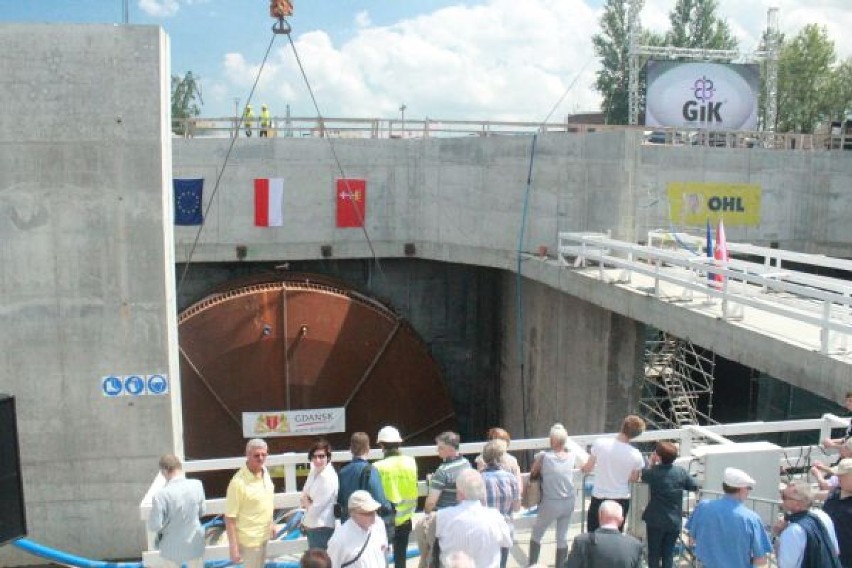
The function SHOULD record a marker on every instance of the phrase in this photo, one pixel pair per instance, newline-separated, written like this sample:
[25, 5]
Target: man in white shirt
[360, 542]
[804, 531]
[471, 527]
[616, 464]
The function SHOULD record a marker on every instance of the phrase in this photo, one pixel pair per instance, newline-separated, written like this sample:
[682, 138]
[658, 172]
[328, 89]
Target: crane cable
[237, 125]
[359, 216]
[356, 210]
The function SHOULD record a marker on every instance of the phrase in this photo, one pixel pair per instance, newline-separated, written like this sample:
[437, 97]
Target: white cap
[737, 478]
[362, 501]
[389, 435]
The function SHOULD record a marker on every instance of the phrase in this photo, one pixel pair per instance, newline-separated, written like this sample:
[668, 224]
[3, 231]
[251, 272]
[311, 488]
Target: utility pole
[236, 117]
[125, 12]
[402, 117]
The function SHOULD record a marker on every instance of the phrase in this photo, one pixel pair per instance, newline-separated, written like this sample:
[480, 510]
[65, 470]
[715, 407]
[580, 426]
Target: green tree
[186, 98]
[839, 91]
[805, 79]
[611, 46]
[694, 24]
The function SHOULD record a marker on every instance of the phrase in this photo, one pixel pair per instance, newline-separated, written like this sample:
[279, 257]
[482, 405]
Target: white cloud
[362, 19]
[159, 8]
[480, 61]
[488, 61]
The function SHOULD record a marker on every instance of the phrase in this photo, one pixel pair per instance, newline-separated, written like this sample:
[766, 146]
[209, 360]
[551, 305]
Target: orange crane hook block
[281, 9]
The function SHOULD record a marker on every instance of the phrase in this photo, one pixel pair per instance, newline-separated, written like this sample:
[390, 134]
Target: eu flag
[188, 201]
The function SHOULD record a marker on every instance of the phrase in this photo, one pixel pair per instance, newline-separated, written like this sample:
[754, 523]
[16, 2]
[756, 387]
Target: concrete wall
[469, 193]
[86, 250]
[580, 362]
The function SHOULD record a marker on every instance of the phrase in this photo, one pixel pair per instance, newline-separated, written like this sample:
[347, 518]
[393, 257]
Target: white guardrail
[770, 283]
[347, 127]
[688, 438]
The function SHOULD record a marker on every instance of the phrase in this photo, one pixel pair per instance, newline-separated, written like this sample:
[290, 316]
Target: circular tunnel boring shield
[299, 343]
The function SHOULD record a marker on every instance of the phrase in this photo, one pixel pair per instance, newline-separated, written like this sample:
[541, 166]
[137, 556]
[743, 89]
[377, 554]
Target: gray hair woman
[555, 468]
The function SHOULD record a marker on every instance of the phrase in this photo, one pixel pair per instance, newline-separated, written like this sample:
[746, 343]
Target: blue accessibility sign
[134, 385]
[158, 384]
[112, 386]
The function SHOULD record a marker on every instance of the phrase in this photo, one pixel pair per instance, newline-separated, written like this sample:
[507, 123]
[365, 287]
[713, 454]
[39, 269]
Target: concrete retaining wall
[87, 275]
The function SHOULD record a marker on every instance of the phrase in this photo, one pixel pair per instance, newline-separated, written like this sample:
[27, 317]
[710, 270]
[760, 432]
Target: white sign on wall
[712, 96]
[278, 423]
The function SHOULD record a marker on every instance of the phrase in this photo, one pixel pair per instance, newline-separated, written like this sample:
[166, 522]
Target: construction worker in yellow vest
[248, 120]
[265, 121]
[399, 480]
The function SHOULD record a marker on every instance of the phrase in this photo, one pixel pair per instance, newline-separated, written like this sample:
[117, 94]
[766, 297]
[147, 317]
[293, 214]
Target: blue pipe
[60, 557]
[67, 559]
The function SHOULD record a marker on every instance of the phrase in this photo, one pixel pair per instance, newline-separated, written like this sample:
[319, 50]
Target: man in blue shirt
[726, 533]
[353, 477]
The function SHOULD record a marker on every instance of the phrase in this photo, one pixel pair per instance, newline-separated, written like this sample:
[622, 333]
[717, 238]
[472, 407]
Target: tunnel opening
[266, 345]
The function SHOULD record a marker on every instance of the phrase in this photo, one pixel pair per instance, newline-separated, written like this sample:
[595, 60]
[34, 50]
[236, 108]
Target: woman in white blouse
[319, 496]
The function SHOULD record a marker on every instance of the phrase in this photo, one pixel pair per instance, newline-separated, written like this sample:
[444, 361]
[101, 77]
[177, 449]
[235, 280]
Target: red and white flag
[351, 202]
[720, 253]
[268, 202]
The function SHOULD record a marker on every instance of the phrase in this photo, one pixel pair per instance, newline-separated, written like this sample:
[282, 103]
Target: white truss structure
[636, 52]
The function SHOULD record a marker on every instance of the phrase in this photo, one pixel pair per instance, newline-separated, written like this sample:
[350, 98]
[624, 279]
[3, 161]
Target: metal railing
[336, 127]
[767, 286]
[343, 127]
[798, 457]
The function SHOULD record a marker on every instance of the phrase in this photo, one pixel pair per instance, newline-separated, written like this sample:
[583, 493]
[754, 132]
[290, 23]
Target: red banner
[351, 202]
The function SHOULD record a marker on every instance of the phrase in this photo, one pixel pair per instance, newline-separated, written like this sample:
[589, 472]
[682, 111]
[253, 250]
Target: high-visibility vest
[249, 118]
[399, 480]
[265, 118]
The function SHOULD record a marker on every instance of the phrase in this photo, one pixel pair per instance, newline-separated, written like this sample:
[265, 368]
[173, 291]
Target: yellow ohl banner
[693, 203]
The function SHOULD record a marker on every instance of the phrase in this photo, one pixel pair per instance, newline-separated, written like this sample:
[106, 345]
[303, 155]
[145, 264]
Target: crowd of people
[358, 516]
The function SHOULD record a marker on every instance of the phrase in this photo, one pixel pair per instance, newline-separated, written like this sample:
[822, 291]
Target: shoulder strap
[360, 552]
[364, 482]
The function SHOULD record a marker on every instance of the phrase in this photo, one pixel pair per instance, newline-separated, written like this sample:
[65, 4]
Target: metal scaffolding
[677, 375]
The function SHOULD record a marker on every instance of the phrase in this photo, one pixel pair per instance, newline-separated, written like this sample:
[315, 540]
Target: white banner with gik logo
[278, 423]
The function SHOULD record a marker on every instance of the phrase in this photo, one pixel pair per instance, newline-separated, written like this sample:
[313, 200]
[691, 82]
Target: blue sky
[477, 59]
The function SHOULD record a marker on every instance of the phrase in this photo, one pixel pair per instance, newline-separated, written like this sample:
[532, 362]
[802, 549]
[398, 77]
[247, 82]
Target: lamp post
[402, 119]
[236, 117]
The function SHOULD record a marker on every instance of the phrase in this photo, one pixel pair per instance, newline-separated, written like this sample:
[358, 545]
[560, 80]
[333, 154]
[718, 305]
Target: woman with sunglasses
[319, 496]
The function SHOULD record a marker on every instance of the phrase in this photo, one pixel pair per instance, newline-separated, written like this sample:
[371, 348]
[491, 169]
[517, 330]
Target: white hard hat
[389, 435]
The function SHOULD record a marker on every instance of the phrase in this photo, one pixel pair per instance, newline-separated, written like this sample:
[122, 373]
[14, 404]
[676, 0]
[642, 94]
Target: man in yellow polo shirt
[249, 507]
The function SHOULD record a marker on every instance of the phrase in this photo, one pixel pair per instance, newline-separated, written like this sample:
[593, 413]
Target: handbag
[532, 492]
[532, 486]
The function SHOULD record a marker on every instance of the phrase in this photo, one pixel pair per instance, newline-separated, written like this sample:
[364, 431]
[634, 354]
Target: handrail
[823, 302]
[688, 438]
[397, 128]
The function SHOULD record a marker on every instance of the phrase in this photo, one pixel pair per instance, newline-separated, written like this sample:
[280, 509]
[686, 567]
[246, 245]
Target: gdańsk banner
[279, 423]
[712, 96]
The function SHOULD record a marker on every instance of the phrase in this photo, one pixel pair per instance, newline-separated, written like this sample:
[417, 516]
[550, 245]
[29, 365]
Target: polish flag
[720, 253]
[268, 202]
